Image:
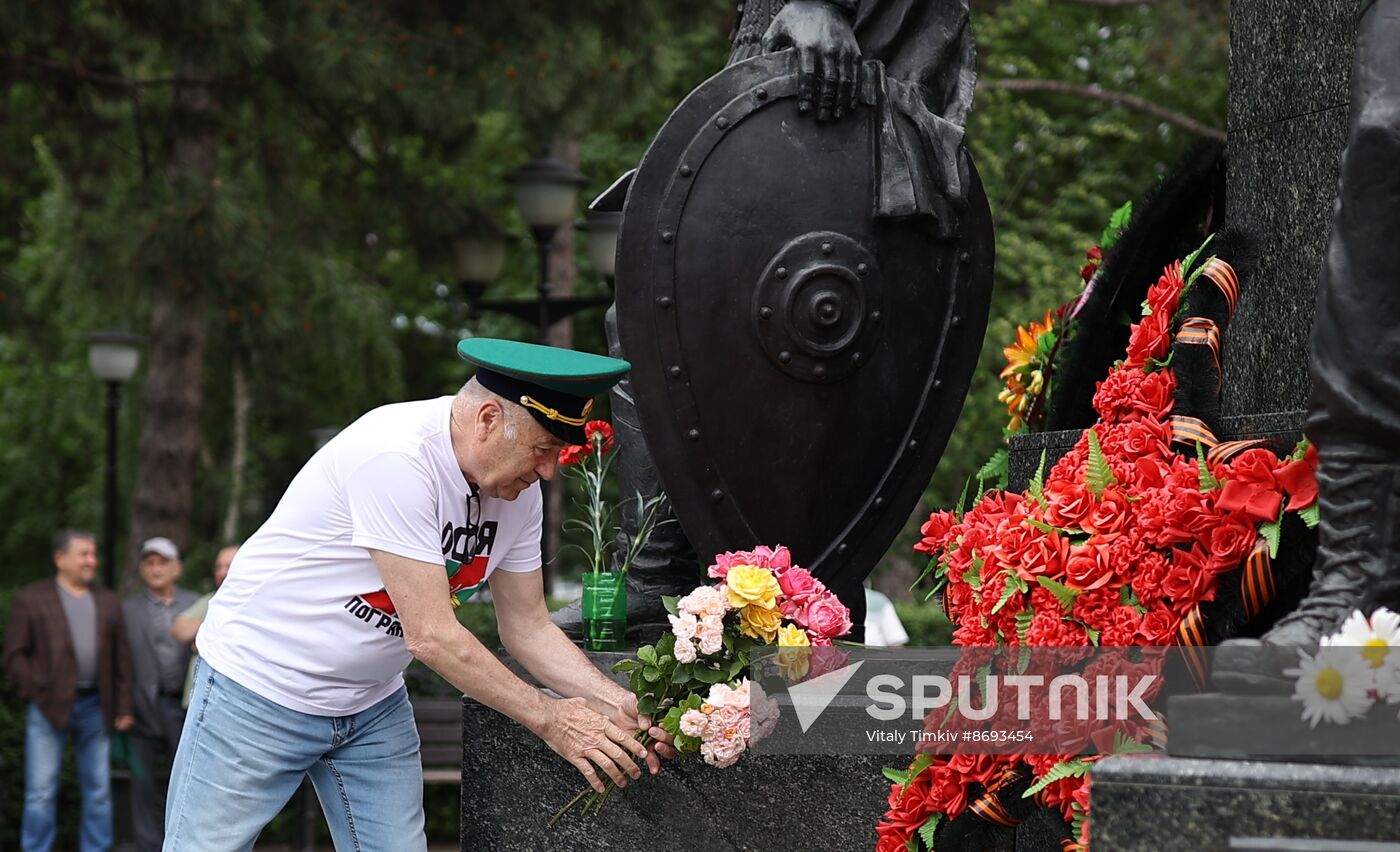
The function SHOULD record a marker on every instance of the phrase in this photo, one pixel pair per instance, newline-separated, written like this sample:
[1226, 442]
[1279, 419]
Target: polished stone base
[1190, 805]
[512, 783]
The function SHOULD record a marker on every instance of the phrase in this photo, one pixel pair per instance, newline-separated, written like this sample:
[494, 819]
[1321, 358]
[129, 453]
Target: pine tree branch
[1060, 87]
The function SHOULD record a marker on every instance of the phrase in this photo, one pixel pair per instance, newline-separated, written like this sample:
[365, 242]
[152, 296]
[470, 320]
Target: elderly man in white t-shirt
[354, 574]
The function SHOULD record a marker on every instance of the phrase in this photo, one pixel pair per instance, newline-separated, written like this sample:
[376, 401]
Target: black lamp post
[113, 356]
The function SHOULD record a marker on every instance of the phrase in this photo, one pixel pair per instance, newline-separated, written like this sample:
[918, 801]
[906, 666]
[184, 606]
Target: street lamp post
[113, 356]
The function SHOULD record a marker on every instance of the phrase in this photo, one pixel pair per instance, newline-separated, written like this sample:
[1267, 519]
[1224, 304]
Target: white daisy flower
[1335, 685]
[1375, 636]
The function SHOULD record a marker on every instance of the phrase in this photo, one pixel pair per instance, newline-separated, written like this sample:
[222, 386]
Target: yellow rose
[794, 652]
[792, 636]
[761, 624]
[750, 585]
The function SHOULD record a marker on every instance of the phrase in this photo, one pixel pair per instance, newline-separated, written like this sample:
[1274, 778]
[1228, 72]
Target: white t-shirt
[302, 619]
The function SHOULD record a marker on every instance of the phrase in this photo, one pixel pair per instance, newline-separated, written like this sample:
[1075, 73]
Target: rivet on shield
[863, 268]
[965, 256]
[782, 272]
[913, 445]
[693, 434]
[819, 371]
[843, 549]
[937, 383]
[826, 248]
[785, 357]
[856, 357]
[717, 495]
[685, 171]
[879, 501]
[765, 312]
[675, 372]
[721, 122]
[957, 320]
[667, 236]
[664, 302]
[874, 316]
[761, 94]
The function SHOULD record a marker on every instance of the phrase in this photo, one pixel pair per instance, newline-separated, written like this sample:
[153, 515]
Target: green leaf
[1116, 223]
[1023, 625]
[1073, 768]
[1077, 825]
[1124, 744]
[705, 674]
[1064, 594]
[1037, 485]
[962, 499]
[646, 705]
[896, 776]
[1127, 597]
[671, 602]
[1300, 450]
[912, 845]
[1091, 633]
[973, 577]
[1097, 474]
[1187, 265]
[928, 828]
[1272, 533]
[1044, 527]
[647, 654]
[996, 469]
[651, 674]
[1310, 516]
[1006, 594]
[1208, 480]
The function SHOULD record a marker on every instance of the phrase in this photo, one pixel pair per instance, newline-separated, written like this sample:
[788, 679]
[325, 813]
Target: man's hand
[124, 723]
[628, 719]
[585, 739]
[827, 54]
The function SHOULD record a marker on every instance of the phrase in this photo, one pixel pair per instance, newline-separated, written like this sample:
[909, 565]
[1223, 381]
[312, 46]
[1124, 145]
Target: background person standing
[66, 654]
[187, 623]
[160, 664]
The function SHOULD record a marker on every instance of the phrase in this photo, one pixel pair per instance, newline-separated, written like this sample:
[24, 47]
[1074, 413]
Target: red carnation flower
[573, 454]
[599, 432]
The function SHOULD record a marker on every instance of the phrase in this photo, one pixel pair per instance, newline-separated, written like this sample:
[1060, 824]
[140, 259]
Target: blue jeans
[43, 757]
[242, 757]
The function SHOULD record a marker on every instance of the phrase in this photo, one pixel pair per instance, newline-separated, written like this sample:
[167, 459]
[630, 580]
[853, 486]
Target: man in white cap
[159, 664]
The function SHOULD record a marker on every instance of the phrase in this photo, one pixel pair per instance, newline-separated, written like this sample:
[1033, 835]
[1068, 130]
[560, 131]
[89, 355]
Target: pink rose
[828, 617]
[799, 583]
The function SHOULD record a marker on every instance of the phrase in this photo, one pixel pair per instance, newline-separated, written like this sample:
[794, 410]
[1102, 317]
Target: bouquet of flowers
[693, 680]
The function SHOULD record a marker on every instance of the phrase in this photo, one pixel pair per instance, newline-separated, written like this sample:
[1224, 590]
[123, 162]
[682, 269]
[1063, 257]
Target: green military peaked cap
[555, 385]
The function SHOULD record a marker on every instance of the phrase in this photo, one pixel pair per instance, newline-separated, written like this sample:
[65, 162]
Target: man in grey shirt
[160, 664]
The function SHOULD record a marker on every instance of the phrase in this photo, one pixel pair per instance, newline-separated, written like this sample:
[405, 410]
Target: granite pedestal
[1189, 805]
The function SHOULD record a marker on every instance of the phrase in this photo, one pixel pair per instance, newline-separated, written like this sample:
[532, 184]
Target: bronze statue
[804, 271]
[1354, 413]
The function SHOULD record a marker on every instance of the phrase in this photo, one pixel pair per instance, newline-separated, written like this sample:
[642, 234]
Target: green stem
[595, 800]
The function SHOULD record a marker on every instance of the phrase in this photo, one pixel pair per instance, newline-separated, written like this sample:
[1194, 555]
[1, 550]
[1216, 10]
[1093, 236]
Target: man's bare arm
[419, 591]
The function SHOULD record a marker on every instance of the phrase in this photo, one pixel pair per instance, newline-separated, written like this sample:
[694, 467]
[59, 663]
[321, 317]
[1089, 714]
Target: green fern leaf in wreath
[1074, 768]
[1064, 594]
[1310, 516]
[928, 828]
[1097, 474]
